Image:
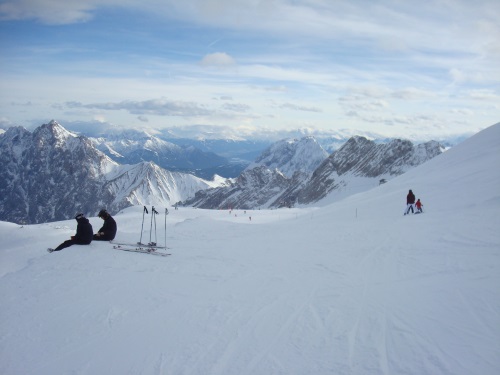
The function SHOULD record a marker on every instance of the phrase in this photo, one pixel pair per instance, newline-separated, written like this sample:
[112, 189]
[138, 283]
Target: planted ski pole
[153, 217]
[156, 237]
[151, 226]
[142, 227]
[166, 213]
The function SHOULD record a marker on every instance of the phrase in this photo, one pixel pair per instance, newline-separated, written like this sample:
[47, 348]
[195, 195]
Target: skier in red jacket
[419, 206]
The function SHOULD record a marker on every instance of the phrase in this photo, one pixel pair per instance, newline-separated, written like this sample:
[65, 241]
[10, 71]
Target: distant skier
[108, 230]
[419, 206]
[83, 234]
[410, 201]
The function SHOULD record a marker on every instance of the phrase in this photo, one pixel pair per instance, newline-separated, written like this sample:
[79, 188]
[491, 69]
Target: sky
[396, 68]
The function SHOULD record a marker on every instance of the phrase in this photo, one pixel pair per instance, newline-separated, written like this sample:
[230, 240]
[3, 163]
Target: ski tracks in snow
[369, 324]
[420, 305]
[378, 295]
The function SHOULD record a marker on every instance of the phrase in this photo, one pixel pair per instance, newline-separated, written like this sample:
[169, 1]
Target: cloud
[462, 111]
[90, 128]
[356, 103]
[159, 107]
[484, 94]
[5, 123]
[296, 107]
[471, 75]
[218, 59]
[411, 93]
[241, 108]
[48, 11]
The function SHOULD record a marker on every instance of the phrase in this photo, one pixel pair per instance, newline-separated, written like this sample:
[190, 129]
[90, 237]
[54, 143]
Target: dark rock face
[48, 174]
[252, 189]
[360, 157]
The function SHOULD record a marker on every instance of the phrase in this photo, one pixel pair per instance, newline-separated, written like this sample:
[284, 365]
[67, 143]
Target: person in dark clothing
[410, 201]
[108, 230]
[83, 234]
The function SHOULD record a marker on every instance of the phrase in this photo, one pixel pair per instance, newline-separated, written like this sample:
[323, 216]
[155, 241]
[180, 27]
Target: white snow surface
[353, 287]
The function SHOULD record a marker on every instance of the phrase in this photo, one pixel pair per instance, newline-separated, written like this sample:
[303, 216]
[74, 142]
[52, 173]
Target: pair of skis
[141, 248]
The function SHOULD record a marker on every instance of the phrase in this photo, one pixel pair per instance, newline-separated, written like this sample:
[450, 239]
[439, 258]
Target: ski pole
[156, 237]
[142, 227]
[151, 226]
[153, 213]
[166, 213]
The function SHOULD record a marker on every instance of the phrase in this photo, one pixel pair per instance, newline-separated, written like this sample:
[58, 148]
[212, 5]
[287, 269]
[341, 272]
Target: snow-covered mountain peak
[15, 139]
[13, 133]
[57, 136]
[54, 131]
[292, 155]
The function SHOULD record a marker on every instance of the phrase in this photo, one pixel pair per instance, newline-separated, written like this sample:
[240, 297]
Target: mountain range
[286, 175]
[133, 146]
[51, 173]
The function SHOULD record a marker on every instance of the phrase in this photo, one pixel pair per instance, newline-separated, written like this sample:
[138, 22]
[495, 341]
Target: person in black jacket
[108, 230]
[83, 234]
[410, 201]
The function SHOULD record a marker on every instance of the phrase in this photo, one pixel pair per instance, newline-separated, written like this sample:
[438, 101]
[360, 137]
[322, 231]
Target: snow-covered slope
[350, 288]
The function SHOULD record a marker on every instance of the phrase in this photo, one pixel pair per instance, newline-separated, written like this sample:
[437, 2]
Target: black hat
[79, 216]
[103, 213]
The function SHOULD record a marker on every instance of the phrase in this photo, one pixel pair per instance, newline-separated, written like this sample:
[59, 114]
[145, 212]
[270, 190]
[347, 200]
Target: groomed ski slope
[350, 288]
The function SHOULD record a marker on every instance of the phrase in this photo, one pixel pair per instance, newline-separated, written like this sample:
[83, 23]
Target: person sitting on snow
[83, 234]
[108, 230]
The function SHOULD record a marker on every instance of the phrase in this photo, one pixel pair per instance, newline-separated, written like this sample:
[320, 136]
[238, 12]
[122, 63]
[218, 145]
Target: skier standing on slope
[108, 230]
[419, 206]
[410, 201]
[83, 234]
